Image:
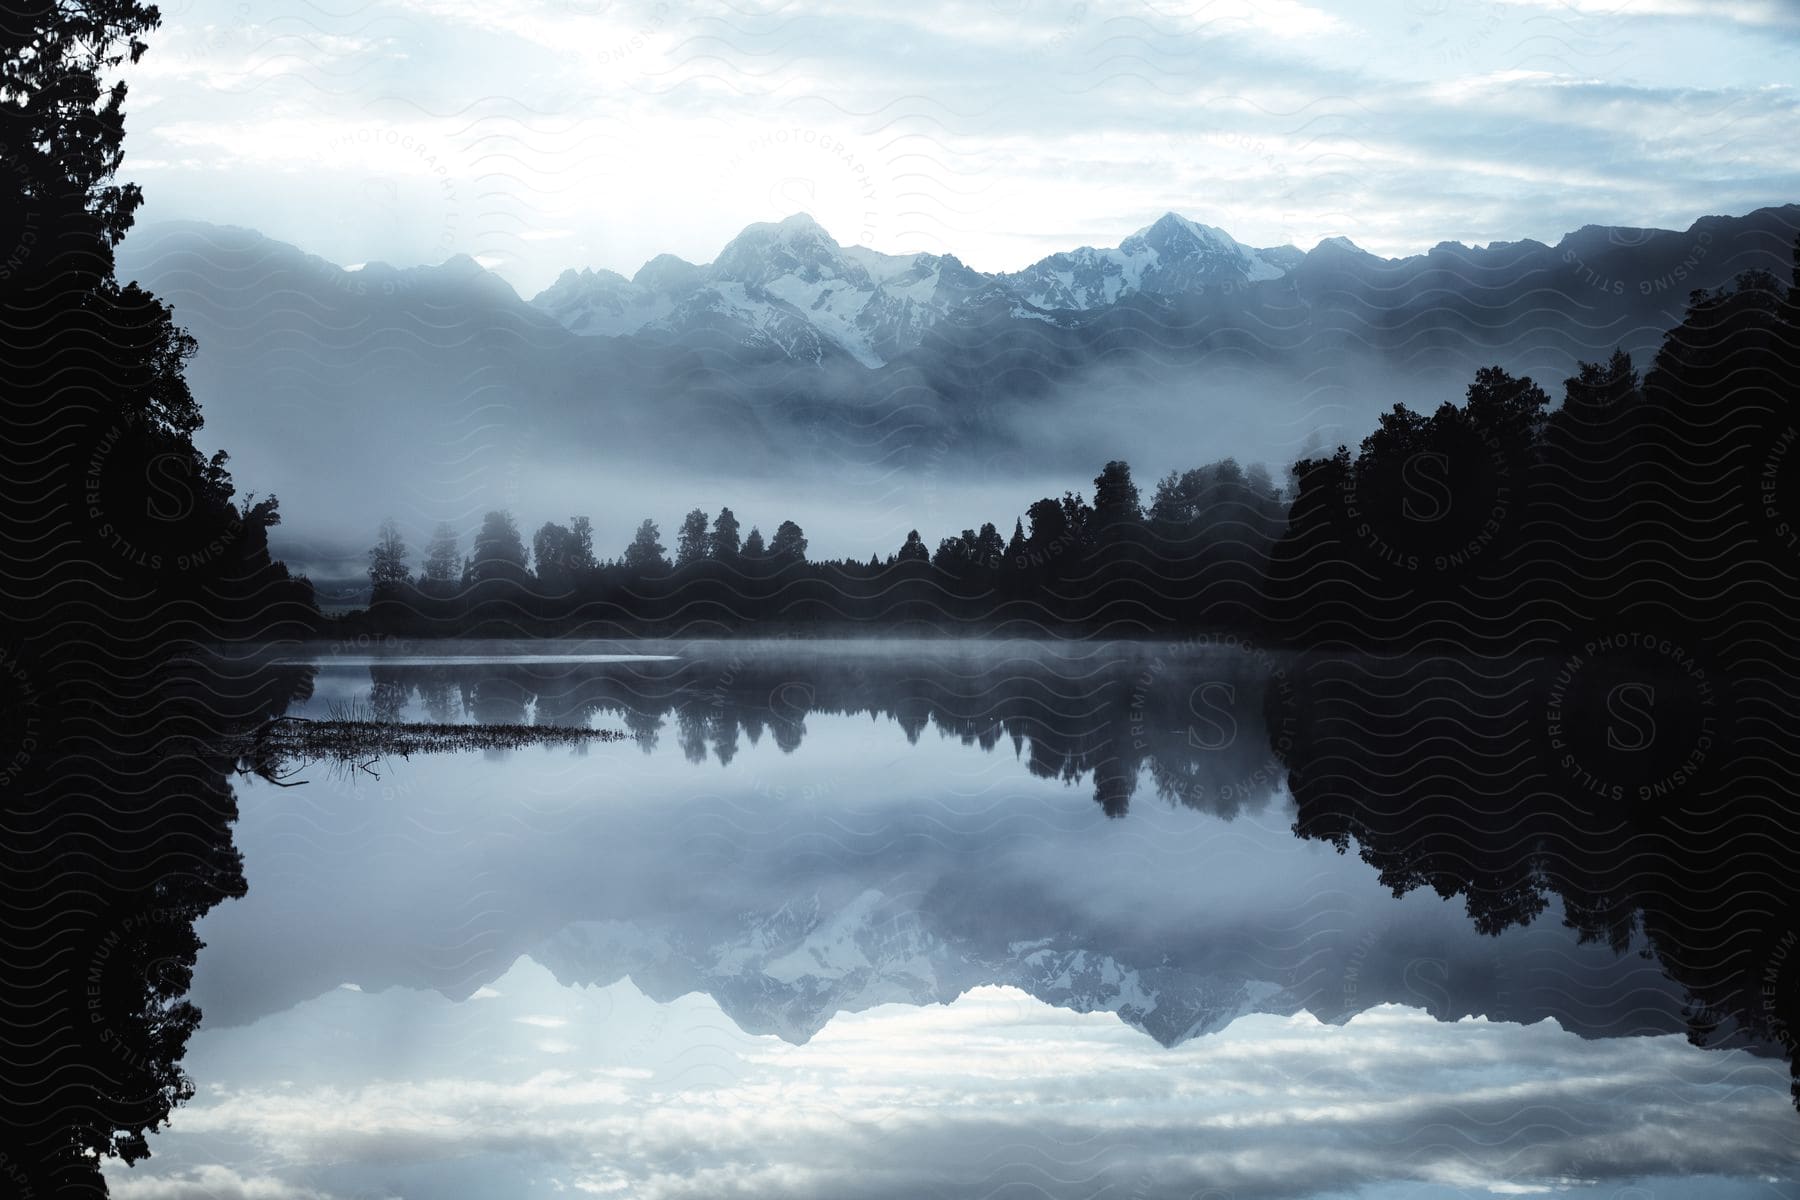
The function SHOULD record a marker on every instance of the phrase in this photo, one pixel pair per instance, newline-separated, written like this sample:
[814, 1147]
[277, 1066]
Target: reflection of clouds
[993, 1091]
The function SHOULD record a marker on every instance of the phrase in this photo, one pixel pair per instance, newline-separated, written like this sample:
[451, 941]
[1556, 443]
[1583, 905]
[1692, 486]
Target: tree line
[1200, 541]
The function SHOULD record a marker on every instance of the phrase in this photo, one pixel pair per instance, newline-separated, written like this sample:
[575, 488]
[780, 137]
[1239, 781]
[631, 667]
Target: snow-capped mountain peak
[666, 274]
[789, 971]
[789, 287]
[1171, 256]
[796, 247]
[1174, 234]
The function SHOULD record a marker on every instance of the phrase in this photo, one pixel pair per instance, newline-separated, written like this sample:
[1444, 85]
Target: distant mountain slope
[785, 285]
[444, 393]
[790, 286]
[1170, 258]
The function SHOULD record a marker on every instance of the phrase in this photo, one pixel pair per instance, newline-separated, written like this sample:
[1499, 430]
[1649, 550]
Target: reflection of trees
[1626, 742]
[1450, 774]
[437, 695]
[124, 546]
[118, 840]
[1192, 721]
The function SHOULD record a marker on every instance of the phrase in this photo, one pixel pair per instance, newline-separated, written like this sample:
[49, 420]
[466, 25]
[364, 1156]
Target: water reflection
[794, 893]
[1192, 719]
[1641, 790]
[789, 837]
[119, 818]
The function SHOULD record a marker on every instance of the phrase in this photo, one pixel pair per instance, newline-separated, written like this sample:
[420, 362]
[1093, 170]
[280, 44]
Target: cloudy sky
[544, 134]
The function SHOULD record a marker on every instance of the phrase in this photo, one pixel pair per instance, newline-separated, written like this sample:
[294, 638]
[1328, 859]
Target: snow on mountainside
[786, 285]
[789, 286]
[1173, 256]
[602, 302]
[789, 972]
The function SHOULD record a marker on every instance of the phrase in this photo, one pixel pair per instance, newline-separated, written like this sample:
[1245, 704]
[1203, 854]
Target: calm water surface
[877, 919]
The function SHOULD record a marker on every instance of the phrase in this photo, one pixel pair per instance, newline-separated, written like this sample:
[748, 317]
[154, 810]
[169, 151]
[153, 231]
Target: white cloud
[211, 1182]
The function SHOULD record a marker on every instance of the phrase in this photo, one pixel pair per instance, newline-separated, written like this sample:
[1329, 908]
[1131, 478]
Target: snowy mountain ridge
[789, 972]
[789, 286]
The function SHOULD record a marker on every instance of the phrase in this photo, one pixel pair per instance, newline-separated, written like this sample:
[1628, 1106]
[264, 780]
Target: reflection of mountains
[788, 910]
[1190, 716]
[1642, 788]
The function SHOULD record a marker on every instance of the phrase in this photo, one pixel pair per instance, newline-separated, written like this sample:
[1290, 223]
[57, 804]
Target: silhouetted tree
[754, 547]
[552, 548]
[645, 553]
[498, 553]
[1181, 496]
[442, 563]
[581, 545]
[1078, 518]
[1049, 534]
[387, 559]
[788, 545]
[989, 550]
[692, 544]
[914, 549]
[723, 543]
[1115, 495]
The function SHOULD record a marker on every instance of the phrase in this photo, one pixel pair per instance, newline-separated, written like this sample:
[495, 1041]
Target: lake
[904, 918]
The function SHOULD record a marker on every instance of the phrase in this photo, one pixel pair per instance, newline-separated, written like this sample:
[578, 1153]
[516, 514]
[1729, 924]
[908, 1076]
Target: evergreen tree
[723, 544]
[1078, 519]
[552, 548]
[442, 563]
[1175, 501]
[645, 554]
[499, 553]
[789, 544]
[989, 550]
[1115, 495]
[581, 545]
[914, 549]
[387, 559]
[692, 544]
[753, 545]
[1049, 529]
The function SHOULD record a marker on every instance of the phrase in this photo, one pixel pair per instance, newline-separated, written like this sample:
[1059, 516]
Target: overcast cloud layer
[545, 134]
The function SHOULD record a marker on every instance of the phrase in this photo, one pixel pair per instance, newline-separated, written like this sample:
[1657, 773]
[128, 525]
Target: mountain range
[791, 971]
[788, 286]
[791, 357]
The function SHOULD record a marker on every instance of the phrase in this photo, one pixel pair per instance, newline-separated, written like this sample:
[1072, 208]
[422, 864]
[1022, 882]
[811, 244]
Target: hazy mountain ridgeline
[876, 392]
